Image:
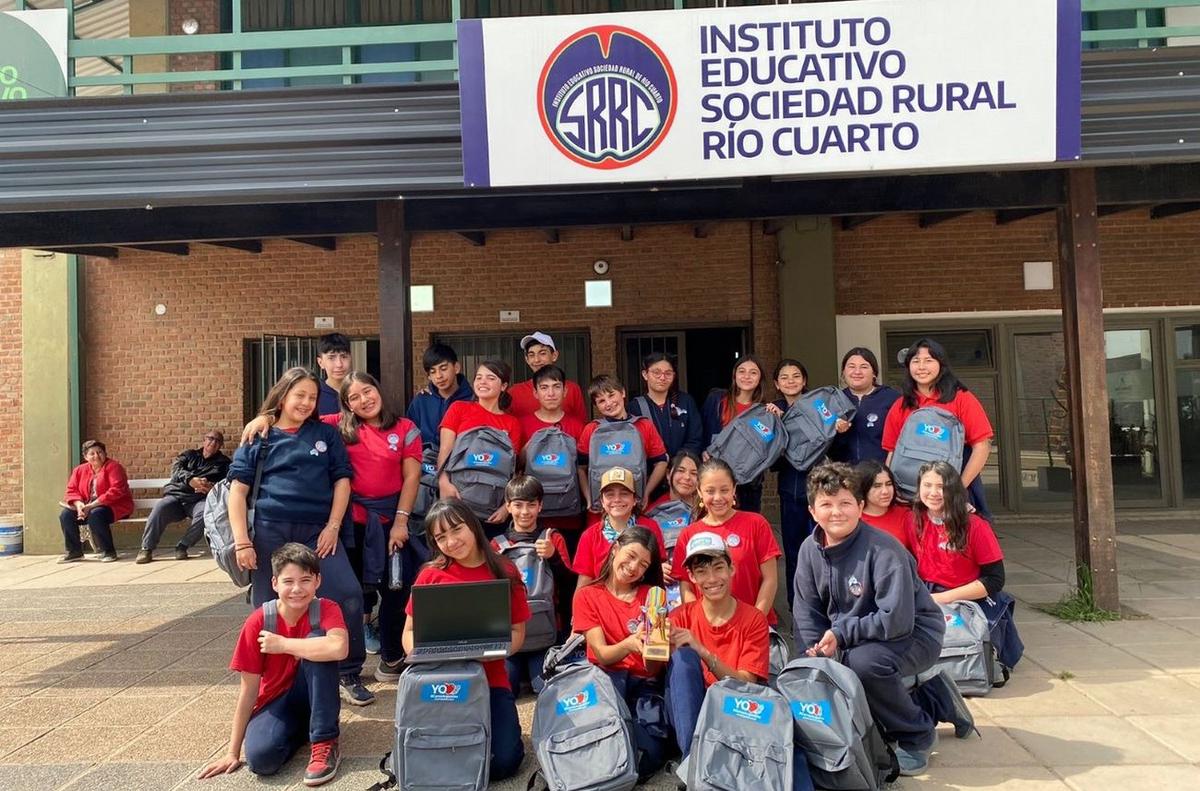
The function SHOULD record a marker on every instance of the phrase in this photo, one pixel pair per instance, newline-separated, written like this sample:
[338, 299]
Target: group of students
[338, 475]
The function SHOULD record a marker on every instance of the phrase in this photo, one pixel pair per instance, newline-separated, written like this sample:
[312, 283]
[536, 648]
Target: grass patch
[1080, 604]
[1066, 675]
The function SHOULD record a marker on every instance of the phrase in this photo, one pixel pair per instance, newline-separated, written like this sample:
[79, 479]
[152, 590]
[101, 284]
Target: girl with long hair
[877, 491]
[795, 523]
[745, 390]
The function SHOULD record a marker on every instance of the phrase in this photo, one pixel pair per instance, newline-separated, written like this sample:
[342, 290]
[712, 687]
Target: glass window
[969, 348]
[1043, 419]
[1133, 423]
[265, 359]
[1187, 406]
[1187, 342]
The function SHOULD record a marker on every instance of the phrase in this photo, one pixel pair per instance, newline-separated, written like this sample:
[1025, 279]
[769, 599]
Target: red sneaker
[324, 763]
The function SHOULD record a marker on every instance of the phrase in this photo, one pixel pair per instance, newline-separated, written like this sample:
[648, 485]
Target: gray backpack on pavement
[833, 725]
[616, 443]
[541, 630]
[443, 727]
[811, 424]
[550, 456]
[480, 466]
[751, 443]
[967, 653]
[929, 434]
[743, 740]
[582, 733]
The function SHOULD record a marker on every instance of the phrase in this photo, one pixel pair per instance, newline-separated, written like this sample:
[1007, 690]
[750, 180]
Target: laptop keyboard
[426, 650]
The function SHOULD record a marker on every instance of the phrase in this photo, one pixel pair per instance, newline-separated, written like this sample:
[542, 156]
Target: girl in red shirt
[722, 406]
[877, 490]
[462, 553]
[609, 614]
[747, 537]
[490, 408]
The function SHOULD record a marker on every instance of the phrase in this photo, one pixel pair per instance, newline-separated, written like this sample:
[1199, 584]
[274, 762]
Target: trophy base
[656, 652]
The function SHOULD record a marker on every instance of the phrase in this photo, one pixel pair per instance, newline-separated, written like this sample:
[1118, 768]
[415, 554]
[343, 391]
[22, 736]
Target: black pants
[414, 554]
[749, 496]
[355, 555]
[882, 667]
[99, 521]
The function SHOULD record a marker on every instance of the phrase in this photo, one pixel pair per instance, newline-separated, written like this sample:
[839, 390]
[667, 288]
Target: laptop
[462, 620]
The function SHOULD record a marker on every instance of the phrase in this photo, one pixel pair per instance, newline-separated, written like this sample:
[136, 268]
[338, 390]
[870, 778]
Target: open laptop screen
[462, 611]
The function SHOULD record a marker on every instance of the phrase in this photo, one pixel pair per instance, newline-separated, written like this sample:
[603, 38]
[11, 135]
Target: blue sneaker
[371, 637]
[354, 693]
[912, 762]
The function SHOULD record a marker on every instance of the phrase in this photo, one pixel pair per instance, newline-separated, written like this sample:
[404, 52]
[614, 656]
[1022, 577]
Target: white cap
[705, 543]
[537, 337]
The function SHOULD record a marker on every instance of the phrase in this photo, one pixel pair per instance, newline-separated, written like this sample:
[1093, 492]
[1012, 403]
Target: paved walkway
[114, 676]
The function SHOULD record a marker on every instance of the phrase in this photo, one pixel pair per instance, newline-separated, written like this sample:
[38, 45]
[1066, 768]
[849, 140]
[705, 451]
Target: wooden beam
[169, 248]
[94, 252]
[930, 219]
[772, 227]
[1172, 209]
[1087, 386]
[701, 230]
[1006, 216]
[852, 221]
[626, 233]
[476, 238]
[245, 245]
[551, 235]
[395, 306]
[321, 242]
[1117, 208]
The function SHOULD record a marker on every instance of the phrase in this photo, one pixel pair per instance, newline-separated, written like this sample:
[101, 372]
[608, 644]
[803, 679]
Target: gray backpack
[541, 630]
[967, 653]
[582, 733]
[616, 443]
[811, 424]
[443, 727]
[751, 443]
[672, 516]
[271, 617]
[743, 740]
[550, 457]
[427, 490]
[480, 466]
[834, 727]
[929, 434]
[779, 655]
[219, 532]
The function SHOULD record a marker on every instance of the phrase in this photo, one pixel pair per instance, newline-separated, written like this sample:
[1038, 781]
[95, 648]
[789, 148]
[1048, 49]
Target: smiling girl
[877, 490]
[722, 406]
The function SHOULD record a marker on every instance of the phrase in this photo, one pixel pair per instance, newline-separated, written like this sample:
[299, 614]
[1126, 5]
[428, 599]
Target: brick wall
[890, 265]
[155, 383]
[208, 14]
[10, 372]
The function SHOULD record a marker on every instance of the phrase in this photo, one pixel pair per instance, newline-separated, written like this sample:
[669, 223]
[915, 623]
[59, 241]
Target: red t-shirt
[595, 606]
[568, 424]
[893, 522]
[950, 569]
[277, 671]
[524, 402]
[378, 460]
[743, 642]
[463, 415]
[651, 441]
[738, 408]
[593, 547]
[750, 542]
[964, 406]
[497, 676]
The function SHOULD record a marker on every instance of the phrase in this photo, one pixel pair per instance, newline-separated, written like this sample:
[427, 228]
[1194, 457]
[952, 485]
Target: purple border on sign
[472, 100]
[1069, 110]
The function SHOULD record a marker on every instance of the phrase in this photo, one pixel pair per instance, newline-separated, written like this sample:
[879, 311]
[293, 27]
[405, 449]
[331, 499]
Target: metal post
[235, 26]
[70, 6]
[1087, 386]
[395, 307]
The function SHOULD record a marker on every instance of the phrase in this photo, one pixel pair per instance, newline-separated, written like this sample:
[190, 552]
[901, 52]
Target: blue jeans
[338, 582]
[685, 695]
[795, 526]
[650, 729]
[308, 712]
[507, 749]
[526, 664]
[392, 617]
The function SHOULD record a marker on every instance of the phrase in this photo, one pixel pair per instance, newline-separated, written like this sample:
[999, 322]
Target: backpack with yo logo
[811, 424]
[750, 443]
[480, 466]
[834, 727]
[582, 733]
[443, 728]
[616, 443]
[780, 654]
[743, 740]
[427, 490]
[929, 434]
[672, 516]
[541, 630]
[967, 653]
[550, 456]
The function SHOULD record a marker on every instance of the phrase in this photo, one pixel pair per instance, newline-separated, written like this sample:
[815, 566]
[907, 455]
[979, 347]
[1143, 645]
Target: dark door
[705, 355]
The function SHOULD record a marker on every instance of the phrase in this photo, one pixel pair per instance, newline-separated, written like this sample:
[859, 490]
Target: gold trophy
[656, 629]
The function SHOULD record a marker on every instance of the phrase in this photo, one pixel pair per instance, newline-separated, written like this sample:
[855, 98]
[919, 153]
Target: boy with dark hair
[523, 499]
[549, 388]
[540, 351]
[289, 676]
[858, 598]
[446, 385]
[608, 396]
[333, 357]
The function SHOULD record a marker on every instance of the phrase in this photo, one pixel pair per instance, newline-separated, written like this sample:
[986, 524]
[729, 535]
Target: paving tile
[1179, 657]
[128, 711]
[1176, 731]
[176, 640]
[1026, 696]
[366, 738]
[98, 684]
[1126, 633]
[15, 685]
[1126, 694]
[1023, 778]
[166, 742]
[142, 660]
[204, 659]
[1053, 633]
[1122, 778]
[1086, 741]
[50, 775]
[14, 738]
[1164, 608]
[1189, 625]
[94, 743]
[995, 748]
[132, 776]
[46, 712]
[243, 779]
[1095, 659]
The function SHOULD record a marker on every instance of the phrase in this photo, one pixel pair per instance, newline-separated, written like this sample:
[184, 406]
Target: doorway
[706, 355]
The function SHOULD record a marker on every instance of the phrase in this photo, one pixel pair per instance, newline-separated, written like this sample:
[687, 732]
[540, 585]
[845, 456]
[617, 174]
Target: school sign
[33, 55]
[770, 90]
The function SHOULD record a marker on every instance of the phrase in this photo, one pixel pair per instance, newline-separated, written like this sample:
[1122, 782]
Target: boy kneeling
[857, 593]
[289, 678]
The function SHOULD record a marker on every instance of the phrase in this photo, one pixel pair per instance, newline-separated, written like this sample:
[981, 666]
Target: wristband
[240, 547]
[402, 512]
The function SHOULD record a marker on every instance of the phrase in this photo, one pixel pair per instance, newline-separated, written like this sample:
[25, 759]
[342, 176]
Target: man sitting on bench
[193, 473]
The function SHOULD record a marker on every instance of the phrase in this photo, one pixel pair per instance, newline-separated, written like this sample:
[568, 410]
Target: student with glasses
[673, 411]
[193, 473]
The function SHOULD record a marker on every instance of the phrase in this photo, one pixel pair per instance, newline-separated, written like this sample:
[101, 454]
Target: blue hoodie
[428, 408]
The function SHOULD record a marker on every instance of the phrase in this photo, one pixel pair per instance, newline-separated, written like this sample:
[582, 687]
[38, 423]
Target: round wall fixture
[160, 309]
[600, 267]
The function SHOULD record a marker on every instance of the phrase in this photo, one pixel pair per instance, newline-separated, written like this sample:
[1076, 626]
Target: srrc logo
[579, 701]
[606, 97]
[823, 410]
[445, 692]
[811, 711]
[751, 709]
[616, 449]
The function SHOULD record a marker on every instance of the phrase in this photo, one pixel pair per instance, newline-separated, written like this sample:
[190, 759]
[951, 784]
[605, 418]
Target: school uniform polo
[742, 642]
[277, 671]
[378, 460]
[465, 415]
[964, 406]
[524, 402]
[750, 543]
[594, 546]
[894, 522]
[596, 606]
[949, 568]
[329, 401]
[863, 441]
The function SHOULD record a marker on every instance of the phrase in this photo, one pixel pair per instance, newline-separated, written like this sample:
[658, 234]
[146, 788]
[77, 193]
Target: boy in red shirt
[713, 637]
[289, 678]
[540, 352]
[608, 396]
[549, 385]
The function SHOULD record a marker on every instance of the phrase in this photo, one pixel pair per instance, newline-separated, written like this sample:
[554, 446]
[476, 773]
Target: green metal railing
[1134, 23]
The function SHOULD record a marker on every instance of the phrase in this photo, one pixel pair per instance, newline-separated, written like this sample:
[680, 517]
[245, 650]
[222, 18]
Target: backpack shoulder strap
[270, 610]
[314, 614]
[644, 404]
[502, 543]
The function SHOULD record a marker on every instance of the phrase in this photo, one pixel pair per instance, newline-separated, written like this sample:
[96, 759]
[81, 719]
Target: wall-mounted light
[160, 309]
[597, 293]
[190, 26]
[600, 267]
[420, 299]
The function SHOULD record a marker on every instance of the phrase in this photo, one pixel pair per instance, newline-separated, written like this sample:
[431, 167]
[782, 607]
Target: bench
[144, 503]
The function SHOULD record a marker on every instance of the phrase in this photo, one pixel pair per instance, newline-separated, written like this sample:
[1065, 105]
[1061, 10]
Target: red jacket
[112, 487]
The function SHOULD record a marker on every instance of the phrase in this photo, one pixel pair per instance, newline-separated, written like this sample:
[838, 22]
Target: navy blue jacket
[863, 441]
[865, 589]
[428, 408]
[678, 421]
[711, 415]
[298, 475]
[329, 402]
